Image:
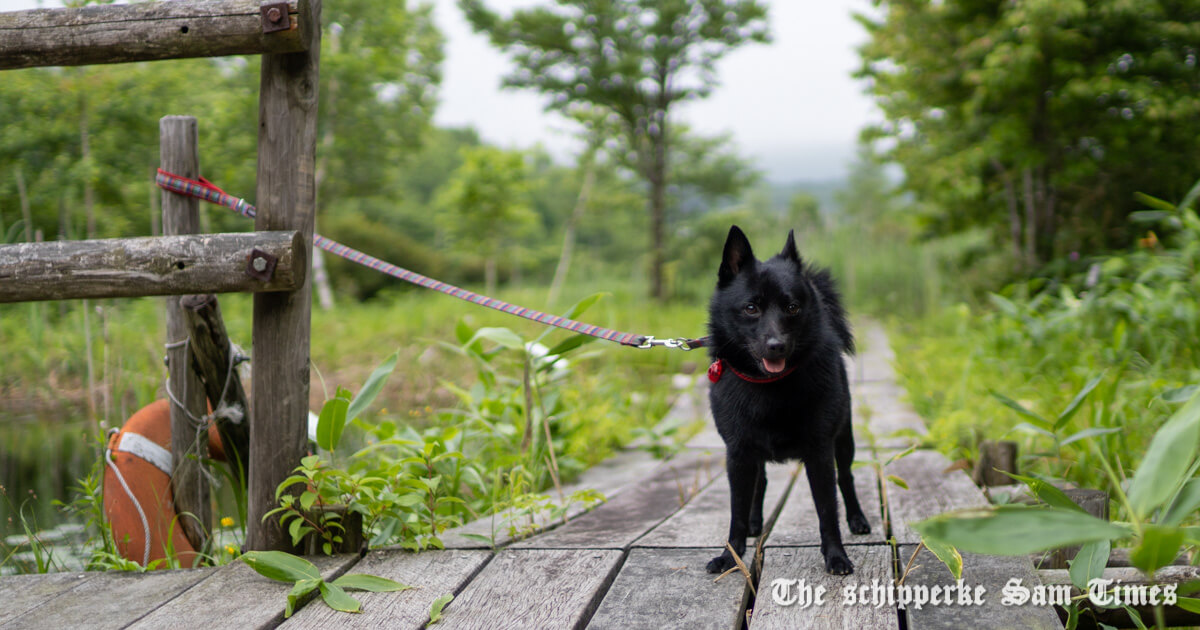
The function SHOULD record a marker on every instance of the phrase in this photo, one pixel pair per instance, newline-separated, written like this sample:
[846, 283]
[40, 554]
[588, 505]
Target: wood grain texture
[797, 525]
[21, 593]
[609, 478]
[931, 491]
[145, 266]
[234, 596]
[621, 521]
[144, 32]
[871, 563]
[992, 572]
[669, 588]
[109, 600]
[432, 573]
[286, 195]
[179, 152]
[883, 418]
[875, 357]
[704, 522]
[534, 588]
[211, 358]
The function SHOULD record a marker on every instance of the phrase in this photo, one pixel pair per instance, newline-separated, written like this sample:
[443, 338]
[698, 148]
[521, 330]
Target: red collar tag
[717, 368]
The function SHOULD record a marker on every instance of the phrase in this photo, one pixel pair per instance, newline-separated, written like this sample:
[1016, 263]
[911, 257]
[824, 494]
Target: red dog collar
[718, 368]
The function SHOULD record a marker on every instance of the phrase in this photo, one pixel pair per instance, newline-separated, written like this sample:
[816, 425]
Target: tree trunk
[1014, 214]
[585, 191]
[1031, 215]
[89, 193]
[26, 213]
[320, 275]
[658, 206]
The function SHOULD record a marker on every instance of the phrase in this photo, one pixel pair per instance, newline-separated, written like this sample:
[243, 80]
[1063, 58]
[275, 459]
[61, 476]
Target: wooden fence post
[287, 140]
[179, 153]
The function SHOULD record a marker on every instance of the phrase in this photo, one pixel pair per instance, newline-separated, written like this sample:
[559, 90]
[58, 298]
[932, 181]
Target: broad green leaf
[1187, 502]
[1004, 304]
[370, 389]
[281, 566]
[1047, 493]
[1087, 433]
[1190, 604]
[1179, 394]
[337, 599]
[1029, 428]
[569, 344]
[1158, 548]
[299, 590]
[1012, 530]
[502, 336]
[1020, 409]
[583, 305]
[898, 481]
[1069, 412]
[331, 423]
[947, 554]
[1167, 460]
[439, 604]
[372, 583]
[1089, 563]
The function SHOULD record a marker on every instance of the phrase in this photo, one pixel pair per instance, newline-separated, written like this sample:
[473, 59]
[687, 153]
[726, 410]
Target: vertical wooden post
[179, 153]
[287, 141]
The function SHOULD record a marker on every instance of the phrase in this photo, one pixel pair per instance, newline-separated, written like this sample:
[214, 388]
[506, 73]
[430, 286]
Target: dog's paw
[858, 524]
[838, 564]
[755, 529]
[721, 563]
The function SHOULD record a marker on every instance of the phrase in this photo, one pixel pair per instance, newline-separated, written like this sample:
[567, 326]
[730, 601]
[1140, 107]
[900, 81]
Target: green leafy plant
[306, 578]
[439, 604]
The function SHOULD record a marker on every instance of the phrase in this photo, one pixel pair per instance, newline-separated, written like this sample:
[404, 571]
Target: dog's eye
[751, 309]
[793, 308]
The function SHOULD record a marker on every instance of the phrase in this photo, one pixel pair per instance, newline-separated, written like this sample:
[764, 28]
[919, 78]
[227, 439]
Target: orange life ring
[137, 487]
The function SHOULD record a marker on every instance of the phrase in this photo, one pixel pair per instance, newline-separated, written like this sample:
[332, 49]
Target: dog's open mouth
[773, 366]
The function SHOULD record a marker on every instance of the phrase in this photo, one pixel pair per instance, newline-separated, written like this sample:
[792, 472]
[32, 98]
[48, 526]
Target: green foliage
[1037, 120]
[439, 604]
[284, 567]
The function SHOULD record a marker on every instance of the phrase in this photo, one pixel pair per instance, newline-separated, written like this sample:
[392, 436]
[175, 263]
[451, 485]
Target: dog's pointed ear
[737, 257]
[789, 248]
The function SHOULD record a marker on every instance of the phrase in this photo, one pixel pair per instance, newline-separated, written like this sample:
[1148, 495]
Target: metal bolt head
[260, 264]
[273, 14]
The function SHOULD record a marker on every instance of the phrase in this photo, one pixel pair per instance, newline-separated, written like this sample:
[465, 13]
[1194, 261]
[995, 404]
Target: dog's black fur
[762, 313]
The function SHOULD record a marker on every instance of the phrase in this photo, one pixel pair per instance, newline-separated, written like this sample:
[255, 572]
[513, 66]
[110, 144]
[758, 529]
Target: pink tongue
[773, 367]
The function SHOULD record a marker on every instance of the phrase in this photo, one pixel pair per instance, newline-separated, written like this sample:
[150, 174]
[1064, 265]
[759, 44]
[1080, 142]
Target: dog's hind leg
[756, 508]
[845, 459]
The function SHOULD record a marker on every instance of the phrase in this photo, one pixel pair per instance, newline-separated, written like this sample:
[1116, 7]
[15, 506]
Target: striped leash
[203, 189]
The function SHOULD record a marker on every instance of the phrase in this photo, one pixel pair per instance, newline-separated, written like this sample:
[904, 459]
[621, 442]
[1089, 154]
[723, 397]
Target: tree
[633, 58]
[485, 205]
[1046, 115]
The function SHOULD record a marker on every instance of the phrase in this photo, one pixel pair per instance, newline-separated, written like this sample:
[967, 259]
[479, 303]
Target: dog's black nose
[775, 347]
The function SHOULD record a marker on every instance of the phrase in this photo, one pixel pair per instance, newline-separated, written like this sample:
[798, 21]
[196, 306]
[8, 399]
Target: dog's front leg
[822, 481]
[743, 474]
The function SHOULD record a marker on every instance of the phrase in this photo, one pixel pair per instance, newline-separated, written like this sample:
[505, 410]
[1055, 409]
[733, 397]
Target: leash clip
[681, 343]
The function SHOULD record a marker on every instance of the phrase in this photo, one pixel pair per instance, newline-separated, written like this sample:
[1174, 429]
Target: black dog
[779, 392]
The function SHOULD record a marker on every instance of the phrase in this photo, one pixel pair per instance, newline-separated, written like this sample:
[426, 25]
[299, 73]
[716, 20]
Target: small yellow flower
[231, 550]
[227, 522]
[428, 409]
[383, 411]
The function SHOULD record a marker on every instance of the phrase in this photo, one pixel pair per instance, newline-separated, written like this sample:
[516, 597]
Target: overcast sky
[790, 105]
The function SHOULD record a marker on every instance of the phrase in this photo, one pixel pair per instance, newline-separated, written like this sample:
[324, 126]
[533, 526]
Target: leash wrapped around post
[203, 189]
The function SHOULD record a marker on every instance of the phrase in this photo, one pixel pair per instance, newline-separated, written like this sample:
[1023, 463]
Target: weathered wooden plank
[990, 572]
[432, 573]
[211, 357]
[872, 564]
[931, 491]
[109, 600]
[532, 588]
[875, 357]
[609, 478]
[287, 196]
[145, 266]
[882, 418]
[669, 588]
[146, 31]
[21, 593]
[616, 524]
[704, 522]
[797, 525]
[235, 596]
[179, 152]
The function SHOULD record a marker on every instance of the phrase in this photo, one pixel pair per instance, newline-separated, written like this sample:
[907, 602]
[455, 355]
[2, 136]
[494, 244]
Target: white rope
[136, 504]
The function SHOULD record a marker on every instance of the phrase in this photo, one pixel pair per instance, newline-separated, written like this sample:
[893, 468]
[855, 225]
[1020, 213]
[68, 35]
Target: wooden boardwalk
[636, 561]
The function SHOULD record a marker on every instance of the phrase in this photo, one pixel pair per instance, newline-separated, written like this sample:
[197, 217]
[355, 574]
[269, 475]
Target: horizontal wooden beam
[157, 265]
[148, 31]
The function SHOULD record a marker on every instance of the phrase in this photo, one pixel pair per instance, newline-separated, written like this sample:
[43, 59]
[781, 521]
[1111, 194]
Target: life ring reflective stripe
[138, 502]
